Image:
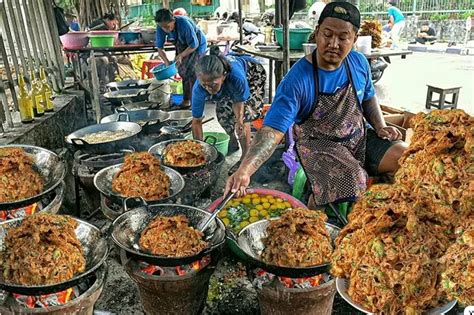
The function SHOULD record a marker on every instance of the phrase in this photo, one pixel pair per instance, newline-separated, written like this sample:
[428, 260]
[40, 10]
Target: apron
[186, 68]
[330, 143]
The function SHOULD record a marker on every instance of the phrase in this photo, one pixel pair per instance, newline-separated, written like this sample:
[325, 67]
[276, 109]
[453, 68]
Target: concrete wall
[447, 30]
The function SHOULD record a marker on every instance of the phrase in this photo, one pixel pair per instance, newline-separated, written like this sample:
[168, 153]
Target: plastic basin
[130, 37]
[176, 99]
[74, 40]
[163, 72]
[102, 40]
[298, 36]
[222, 143]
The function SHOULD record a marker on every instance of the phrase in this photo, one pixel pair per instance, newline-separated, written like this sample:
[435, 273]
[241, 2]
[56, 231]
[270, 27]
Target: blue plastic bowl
[176, 99]
[163, 72]
[130, 37]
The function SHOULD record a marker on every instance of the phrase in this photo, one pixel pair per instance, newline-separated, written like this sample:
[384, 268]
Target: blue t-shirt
[235, 85]
[294, 97]
[396, 13]
[185, 32]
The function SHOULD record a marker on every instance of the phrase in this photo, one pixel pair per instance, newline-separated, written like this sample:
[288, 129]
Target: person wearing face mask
[237, 84]
[339, 131]
[190, 44]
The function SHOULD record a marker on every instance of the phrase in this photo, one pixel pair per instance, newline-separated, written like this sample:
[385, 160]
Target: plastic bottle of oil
[47, 91]
[36, 95]
[25, 103]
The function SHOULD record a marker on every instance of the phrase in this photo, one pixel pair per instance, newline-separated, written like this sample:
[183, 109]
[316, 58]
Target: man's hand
[238, 183]
[178, 59]
[389, 133]
[239, 130]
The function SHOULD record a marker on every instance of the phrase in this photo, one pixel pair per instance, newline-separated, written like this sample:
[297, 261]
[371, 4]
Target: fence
[438, 8]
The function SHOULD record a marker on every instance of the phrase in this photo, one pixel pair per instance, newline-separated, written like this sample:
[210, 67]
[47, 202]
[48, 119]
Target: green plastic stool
[299, 183]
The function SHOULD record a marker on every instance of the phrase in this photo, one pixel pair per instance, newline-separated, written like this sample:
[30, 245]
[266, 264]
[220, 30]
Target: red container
[75, 40]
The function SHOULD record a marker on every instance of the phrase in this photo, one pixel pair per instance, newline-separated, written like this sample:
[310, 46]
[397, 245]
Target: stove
[77, 300]
[172, 290]
[85, 166]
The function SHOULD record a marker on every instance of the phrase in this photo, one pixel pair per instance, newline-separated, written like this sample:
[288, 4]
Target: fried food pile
[457, 278]
[18, 179]
[390, 249]
[185, 153]
[172, 236]
[141, 176]
[298, 239]
[42, 250]
[372, 28]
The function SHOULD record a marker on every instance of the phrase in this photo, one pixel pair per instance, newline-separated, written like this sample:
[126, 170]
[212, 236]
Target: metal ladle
[204, 224]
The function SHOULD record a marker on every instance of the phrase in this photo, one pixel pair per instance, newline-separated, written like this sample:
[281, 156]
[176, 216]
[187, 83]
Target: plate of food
[141, 175]
[167, 234]
[27, 173]
[45, 253]
[185, 155]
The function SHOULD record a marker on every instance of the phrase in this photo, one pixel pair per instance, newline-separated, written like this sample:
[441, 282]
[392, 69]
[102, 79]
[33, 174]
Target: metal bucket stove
[87, 291]
[172, 290]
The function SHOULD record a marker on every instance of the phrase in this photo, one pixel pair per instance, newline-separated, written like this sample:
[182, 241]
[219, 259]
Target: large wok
[210, 153]
[103, 183]
[75, 138]
[50, 167]
[249, 242]
[95, 250]
[128, 227]
[149, 119]
[118, 97]
[129, 84]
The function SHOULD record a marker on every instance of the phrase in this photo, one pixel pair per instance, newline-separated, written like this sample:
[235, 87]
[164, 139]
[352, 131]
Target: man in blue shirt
[396, 22]
[190, 44]
[329, 97]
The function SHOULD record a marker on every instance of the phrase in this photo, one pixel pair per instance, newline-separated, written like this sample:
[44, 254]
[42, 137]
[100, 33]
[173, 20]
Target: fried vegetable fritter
[42, 250]
[186, 153]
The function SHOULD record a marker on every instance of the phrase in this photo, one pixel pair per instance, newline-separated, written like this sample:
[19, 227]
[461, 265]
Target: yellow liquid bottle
[25, 103]
[47, 91]
[36, 95]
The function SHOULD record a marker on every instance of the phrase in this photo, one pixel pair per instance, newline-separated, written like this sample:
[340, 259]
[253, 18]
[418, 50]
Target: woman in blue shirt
[237, 84]
[396, 22]
[190, 44]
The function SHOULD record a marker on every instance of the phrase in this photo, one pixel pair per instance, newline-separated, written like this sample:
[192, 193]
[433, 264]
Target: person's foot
[234, 168]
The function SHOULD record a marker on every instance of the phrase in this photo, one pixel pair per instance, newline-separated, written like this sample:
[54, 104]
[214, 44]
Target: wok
[249, 242]
[95, 250]
[127, 95]
[179, 118]
[127, 106]
[103, 183]
[127, 228]
[143, 115]
[75, 138]
[50, 167]
[129, 84]
[210, 153]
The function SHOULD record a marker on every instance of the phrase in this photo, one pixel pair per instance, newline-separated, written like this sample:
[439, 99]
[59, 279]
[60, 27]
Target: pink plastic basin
[295, 203]
[73, 40]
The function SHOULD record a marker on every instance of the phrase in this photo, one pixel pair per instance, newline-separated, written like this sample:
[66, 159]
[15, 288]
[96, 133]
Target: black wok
[127, 228]
[103, 183]
[249, 244]
[117, 98]
[129, 84]
[50, 167]
[95, 250]
[150, 120]
[75, 138]
[210, 153]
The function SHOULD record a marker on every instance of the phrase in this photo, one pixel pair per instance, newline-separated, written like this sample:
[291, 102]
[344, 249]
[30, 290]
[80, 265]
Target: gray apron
[330, 143]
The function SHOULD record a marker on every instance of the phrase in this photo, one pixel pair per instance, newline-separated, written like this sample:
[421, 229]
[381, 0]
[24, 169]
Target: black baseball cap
[341, 10]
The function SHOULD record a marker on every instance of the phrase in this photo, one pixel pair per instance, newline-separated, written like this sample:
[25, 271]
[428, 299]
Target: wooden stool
[442, 103]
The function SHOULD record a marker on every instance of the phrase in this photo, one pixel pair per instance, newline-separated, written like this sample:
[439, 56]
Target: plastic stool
[148, 65]
[442, 103]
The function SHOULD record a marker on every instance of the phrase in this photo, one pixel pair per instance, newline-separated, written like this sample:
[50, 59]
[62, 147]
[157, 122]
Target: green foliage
[439, 17]
[466, 15]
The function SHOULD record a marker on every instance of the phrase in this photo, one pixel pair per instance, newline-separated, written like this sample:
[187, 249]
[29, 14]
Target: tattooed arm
[260, 150]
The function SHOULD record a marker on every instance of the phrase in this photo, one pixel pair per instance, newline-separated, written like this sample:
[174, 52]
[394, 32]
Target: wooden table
[104, 51]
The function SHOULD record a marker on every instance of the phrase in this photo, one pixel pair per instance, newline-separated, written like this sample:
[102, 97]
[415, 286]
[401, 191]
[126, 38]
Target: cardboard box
[397, 118]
